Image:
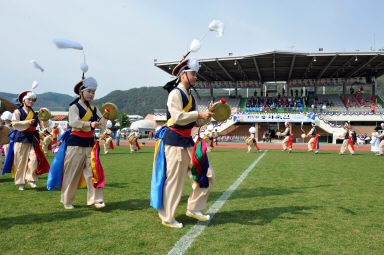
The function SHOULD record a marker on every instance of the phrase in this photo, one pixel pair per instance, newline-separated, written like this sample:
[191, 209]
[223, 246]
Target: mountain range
[51, 100]
[141, 101]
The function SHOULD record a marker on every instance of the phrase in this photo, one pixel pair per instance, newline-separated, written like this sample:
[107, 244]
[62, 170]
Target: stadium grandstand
[268, 88]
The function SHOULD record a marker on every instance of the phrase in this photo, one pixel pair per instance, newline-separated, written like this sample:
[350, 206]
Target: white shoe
[198, 215]
[21, 187]
[32, 184]
[174, 224]
[316, 152]
[99, 205]
[69, 207]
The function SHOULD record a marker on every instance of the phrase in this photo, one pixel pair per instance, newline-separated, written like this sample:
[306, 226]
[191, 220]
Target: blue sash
[8, 163]
[55, 174]
[159, 171]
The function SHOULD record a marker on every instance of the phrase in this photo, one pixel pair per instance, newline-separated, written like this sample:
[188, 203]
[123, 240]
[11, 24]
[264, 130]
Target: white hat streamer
[215, 25]
[36, 65]
[67, 44]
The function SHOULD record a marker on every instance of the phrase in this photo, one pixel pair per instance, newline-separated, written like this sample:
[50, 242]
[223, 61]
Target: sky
[121, 38]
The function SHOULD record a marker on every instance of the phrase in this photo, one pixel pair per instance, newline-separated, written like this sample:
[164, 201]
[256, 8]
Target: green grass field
[297, 203]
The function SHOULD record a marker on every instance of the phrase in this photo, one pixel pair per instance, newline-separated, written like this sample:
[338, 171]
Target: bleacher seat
[203, 103]
[360, 102]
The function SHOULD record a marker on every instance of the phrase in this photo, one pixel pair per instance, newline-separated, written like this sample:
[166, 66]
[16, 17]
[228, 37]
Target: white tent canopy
[143, 125]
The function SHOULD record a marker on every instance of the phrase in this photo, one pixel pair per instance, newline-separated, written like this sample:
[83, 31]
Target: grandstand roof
[271, 66]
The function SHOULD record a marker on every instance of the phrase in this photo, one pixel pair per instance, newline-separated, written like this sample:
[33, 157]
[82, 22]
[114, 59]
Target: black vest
[314, 133]
[83, 111]
[347, 135]
[173, 138]
[74, 140]
[289, 132]
[27, 137]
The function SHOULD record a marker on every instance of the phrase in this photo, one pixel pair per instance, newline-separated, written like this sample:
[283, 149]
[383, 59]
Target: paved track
[269, 146]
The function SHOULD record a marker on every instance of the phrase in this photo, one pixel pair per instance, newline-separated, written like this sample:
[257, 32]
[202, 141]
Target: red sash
[255, 143]
[83, 134]
[138, 145]
[42, 163]
[290, 141]
[351, 142]
[30, 129]
[182, 132]
[111, 145]
[316, 142]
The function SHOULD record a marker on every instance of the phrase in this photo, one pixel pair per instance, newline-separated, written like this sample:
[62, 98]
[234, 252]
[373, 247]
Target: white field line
[183, 244]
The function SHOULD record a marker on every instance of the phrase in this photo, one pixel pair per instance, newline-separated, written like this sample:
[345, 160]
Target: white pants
[179, 163]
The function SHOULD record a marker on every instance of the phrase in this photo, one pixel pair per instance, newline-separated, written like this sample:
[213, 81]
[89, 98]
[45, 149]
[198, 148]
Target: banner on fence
[273, 117]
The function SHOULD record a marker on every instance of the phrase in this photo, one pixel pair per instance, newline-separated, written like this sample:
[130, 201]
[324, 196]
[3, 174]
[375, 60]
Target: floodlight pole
[261, 89]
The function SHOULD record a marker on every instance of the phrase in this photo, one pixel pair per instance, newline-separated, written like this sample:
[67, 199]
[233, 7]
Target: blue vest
[27, 137]
[173, 138]
[74, 140]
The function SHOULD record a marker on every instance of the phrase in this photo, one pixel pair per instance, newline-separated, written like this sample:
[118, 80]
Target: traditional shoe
[316, 152]
[21, 187]
[198, 215]
[174, 224]
[99, 205]
[69, 207]
[32, 184]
